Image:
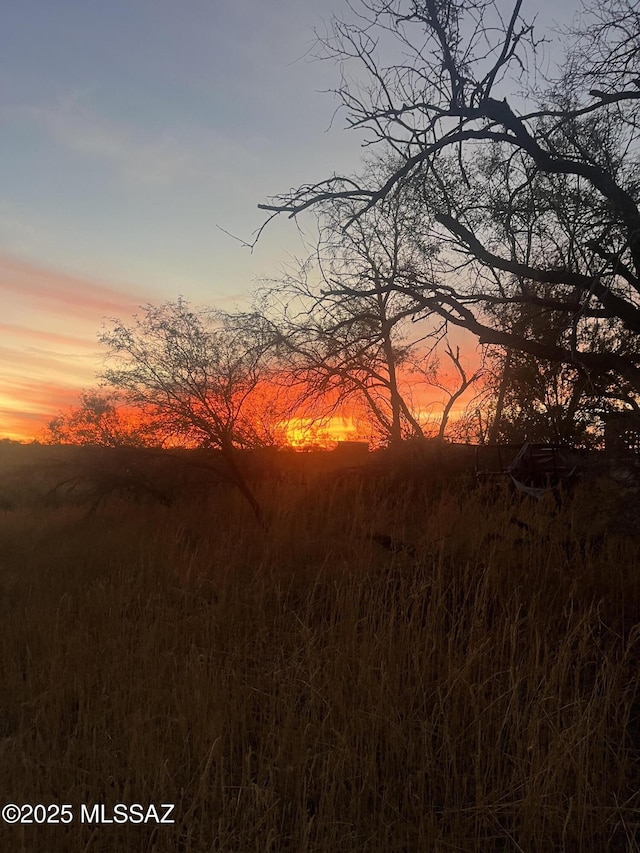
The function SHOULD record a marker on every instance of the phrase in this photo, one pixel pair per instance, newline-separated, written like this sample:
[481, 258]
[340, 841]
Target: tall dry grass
[386, 667]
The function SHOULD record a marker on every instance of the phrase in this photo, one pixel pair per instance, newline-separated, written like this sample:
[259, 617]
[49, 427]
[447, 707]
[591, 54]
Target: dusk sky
[133, 131]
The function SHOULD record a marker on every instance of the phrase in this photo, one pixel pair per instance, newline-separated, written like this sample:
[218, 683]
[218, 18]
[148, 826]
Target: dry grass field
[390, 664]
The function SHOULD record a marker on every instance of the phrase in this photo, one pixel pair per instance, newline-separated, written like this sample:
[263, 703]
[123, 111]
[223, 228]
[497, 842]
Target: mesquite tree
[344, 329]
[529, 185]
[196, 374]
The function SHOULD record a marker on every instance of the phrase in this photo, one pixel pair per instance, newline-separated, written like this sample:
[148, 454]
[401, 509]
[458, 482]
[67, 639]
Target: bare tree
[524, 182]
[465, 381]
[195, 374]
[344, 329]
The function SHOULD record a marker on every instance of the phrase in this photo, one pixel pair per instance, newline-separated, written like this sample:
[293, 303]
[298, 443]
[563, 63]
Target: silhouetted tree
[523, 181]
[196, 374]
[538, 400]
[455, 392]
[343, 325]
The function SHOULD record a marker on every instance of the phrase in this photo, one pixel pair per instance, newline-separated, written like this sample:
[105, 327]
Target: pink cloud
[38, 396]
[42, 363]
[70, 295]
[31, 334]
[48, 339]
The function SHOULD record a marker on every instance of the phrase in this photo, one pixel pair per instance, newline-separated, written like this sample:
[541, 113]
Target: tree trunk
[390, 358]
[239, 480]
[492, 435]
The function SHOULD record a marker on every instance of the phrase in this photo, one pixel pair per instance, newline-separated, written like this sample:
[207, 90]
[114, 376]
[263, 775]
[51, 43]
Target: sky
[135, 134]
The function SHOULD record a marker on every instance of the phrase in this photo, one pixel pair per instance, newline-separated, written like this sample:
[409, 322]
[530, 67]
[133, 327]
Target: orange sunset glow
[27, 405]
[305, 432]
[320, 426]
[49, 353]
[120, 191]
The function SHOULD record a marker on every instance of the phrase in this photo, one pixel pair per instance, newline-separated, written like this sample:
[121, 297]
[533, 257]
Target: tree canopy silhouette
[197, 376]
[528, 183]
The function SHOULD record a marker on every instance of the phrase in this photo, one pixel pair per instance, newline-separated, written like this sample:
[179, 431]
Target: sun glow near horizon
[26, 413]
[305, 432]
